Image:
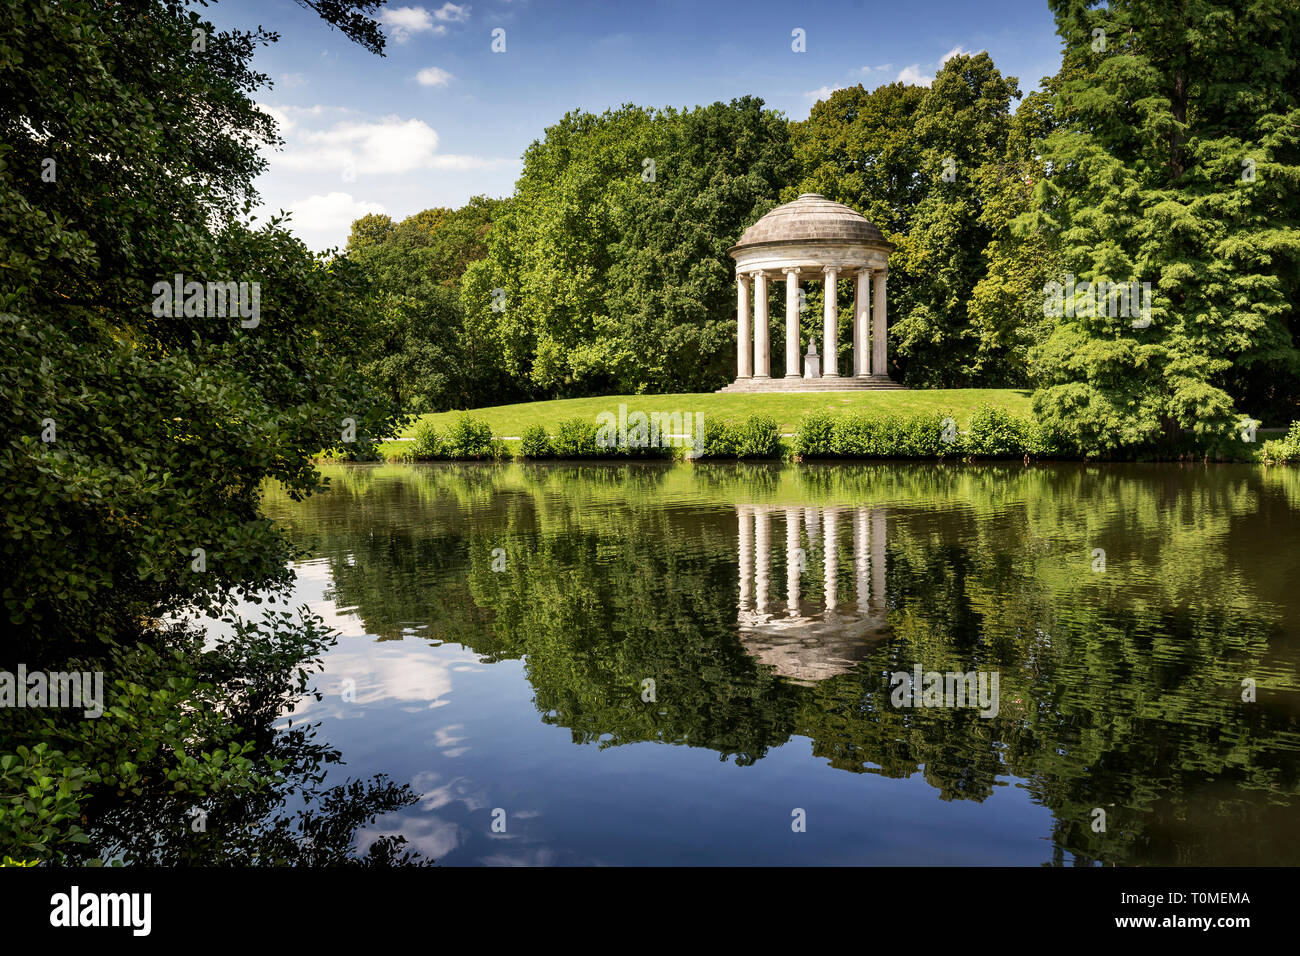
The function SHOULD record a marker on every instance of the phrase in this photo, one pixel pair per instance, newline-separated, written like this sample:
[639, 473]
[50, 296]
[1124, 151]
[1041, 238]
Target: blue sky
[442, 117]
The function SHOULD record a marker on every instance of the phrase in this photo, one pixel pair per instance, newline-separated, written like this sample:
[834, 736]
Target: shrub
[756, 437]
[814, 435]
[428, 441]
[719, 440]
[1283, 449]
[575, 438]
[359, 451]
[860, 435]
[997, 433]
[535, 443]
[469, 438]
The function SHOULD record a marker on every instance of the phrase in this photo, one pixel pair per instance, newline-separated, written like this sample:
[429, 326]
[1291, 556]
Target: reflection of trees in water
[275, 809]
[1119, 691]
[259, 829]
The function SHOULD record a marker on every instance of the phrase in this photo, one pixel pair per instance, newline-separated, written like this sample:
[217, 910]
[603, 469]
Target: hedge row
[991, 432]
[579, 438]
[756, 437]
[471, 439]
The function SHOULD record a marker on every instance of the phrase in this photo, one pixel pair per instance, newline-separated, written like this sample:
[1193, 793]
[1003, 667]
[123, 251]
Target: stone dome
[811, 218]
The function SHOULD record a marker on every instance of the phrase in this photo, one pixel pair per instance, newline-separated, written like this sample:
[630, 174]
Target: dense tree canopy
[415, 344]
[1176, 163]
[611, 256]
[136, 435]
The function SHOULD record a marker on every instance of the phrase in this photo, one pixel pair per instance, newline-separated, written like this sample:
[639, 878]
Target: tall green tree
[1006, 305]
[136, 438]
[1177, 163]
[416, 344]
[923, 164]
[608, 270]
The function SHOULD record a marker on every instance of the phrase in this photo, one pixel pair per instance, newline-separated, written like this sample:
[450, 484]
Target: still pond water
[658, 664]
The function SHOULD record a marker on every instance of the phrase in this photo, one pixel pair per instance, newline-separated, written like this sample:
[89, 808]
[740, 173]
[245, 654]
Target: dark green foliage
[756, 437]
[860, 435]
[615, 282]
[466, 439]
[1283, 449]
[718, 440]
[427, 441]
[994, 432]
[1177, 163]
[414, 339]
[814, 435]
[147, 499]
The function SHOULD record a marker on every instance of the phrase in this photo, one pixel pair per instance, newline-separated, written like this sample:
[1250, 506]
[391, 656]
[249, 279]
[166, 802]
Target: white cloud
[434, 76]
[384, 146]
[868, 70]
[452, 13]
[404, 21]
[328, 216]
[913, 75]
[280, 115]
[824, 93]
[391, 145]
[957, 51]
[333, 153]
[291, 80]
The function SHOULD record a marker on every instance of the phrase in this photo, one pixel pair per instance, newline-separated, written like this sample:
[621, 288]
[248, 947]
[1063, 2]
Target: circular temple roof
[811, 218]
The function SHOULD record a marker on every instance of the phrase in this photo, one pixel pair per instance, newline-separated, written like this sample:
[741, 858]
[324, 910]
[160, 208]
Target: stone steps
[787, 385]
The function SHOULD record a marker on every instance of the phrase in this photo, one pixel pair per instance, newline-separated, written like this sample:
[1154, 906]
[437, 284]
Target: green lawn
[511, 420]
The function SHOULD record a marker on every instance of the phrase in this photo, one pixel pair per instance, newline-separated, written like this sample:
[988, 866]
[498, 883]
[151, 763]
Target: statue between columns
[812, 362]
[869, 326]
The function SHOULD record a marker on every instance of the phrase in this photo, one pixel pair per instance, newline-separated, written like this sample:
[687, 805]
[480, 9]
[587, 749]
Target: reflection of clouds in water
[392, 672]
[315, 578]
[456, 790]
[432, 837]
[445, 738]
[542, 856]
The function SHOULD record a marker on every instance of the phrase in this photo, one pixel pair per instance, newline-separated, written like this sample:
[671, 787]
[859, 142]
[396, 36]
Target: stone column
[792, 323]
[746, 549]
[861, 324]
[862, 558]
[744, 345]
[878, 560]
[812, 522]
[830, 326]
[762, 359]
[880, 330]
[793, 561]
[763, 557]
[830, 557]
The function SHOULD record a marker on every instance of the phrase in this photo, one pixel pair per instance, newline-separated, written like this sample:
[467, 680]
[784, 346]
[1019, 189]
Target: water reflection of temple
[811, 637]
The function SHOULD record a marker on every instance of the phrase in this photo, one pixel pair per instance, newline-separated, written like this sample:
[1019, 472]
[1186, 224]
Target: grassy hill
[511, 420]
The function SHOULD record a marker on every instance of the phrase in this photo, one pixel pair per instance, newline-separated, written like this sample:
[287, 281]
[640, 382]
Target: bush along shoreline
[990, 432]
